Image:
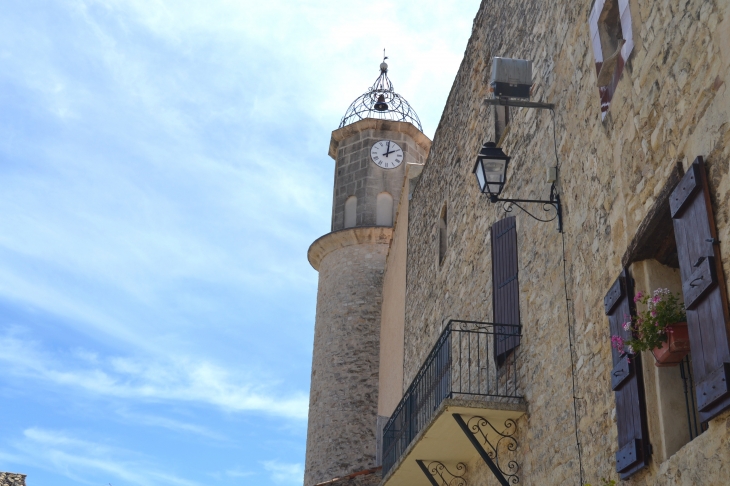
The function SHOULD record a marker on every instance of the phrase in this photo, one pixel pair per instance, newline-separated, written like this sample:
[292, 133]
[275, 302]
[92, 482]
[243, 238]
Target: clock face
[386, 154]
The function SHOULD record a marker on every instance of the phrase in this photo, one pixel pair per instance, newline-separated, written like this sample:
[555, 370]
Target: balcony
[467, 385]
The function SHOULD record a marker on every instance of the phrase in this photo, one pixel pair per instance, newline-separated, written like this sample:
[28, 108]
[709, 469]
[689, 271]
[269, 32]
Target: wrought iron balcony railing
[468, 361]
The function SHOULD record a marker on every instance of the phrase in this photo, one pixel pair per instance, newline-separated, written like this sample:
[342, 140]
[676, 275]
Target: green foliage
[605, 482]
[652, 326]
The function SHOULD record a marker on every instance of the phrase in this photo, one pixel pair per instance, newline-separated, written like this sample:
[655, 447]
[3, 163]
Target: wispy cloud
[83, 460]
[170, 424]
[235, 473]
[164, 169]
[285, 473]
[144, 380]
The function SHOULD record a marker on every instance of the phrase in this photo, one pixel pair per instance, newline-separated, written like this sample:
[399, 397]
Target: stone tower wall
[341, 438]
[357, 175]
[344, 391]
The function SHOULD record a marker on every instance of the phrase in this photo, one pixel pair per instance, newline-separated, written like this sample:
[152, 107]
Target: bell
[381, 105]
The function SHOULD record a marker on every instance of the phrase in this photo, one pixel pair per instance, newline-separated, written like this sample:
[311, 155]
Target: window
[676, 248]
[443, 235]
[350, 211]
[384, 209]
[612, 41]
[671, 407]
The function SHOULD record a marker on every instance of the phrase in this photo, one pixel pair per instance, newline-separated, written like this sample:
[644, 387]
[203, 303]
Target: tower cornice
[324, 245]
[381, 125]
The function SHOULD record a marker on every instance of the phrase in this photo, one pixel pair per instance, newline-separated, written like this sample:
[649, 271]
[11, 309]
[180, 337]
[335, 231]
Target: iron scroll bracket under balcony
[439, 475]
[464, 373]
[479, 430]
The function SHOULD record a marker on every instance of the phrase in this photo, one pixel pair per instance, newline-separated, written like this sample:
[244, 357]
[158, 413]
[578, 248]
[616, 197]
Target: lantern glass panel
[494, 173]
[480, 176]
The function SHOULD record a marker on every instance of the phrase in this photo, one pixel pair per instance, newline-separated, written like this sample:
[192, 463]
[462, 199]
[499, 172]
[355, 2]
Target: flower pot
[675, 349]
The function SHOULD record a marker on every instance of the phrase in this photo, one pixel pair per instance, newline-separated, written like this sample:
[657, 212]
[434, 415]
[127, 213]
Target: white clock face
[387, 154]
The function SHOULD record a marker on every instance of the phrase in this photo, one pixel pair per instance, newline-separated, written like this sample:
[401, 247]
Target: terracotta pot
[675, 349]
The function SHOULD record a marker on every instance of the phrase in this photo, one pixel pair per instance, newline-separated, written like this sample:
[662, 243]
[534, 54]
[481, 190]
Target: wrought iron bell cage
[381, 102]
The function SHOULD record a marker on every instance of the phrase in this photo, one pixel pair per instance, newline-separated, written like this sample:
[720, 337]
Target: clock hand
[387, 149]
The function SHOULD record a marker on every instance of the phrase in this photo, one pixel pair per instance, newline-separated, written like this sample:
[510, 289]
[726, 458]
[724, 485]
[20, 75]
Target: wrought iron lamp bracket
[439, 475]
[554, 202]
[479, 430]
[548, 206]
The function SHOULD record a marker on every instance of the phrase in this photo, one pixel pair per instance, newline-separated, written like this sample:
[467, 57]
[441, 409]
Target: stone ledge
[324, 245]
[376, 124]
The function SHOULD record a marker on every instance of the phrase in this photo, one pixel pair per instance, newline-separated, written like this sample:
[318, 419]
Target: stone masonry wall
[357, 175]
[344, 395]
[11, 479]
[670, 106]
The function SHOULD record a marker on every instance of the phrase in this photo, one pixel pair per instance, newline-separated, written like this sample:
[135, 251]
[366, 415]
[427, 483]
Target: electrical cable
[571, 327]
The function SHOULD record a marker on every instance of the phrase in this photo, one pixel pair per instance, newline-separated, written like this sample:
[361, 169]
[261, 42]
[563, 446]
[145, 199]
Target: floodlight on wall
[490, 170]
[511, 77]
[511, 83]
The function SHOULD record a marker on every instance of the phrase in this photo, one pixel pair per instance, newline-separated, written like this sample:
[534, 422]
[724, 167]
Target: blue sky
[163, 170]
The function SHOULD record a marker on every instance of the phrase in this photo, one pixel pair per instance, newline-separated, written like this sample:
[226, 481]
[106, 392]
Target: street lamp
[490, 170]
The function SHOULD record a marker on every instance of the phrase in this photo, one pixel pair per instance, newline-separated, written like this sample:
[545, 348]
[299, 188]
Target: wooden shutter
[627, 383]
[505, 287]
[703, 286]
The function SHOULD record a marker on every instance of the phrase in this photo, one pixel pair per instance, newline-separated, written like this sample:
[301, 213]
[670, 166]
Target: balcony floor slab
[443, 440]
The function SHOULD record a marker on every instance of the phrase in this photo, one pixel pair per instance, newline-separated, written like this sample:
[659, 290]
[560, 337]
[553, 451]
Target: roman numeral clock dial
[386, 154]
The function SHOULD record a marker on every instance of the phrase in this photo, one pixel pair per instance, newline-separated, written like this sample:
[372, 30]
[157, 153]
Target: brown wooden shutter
[703, 286]
[505, 286]
[627, 383]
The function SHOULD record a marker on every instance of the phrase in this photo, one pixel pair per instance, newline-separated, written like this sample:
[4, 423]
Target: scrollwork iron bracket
[479, 430]
[548, 206]
[439, 475]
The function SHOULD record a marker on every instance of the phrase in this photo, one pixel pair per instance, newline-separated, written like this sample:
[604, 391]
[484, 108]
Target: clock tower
[378, 142]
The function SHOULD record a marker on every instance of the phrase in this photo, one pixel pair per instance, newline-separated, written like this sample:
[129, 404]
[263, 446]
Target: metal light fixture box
[551, 174]
[511, 78]
[490, 169]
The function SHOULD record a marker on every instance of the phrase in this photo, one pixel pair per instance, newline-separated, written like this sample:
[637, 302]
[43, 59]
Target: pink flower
[656, 299]
[653, 313]
[638, 296]
[627, 325]
[617, 343]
